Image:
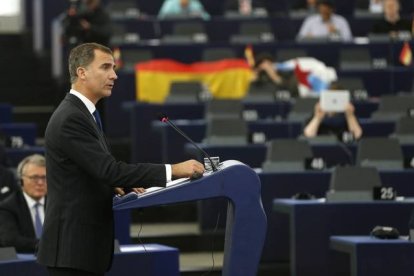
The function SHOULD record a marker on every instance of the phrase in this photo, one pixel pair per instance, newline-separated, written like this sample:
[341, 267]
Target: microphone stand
[165, 119]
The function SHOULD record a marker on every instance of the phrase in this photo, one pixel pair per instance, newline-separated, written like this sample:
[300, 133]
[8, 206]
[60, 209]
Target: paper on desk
[177, 181]
[171, 183]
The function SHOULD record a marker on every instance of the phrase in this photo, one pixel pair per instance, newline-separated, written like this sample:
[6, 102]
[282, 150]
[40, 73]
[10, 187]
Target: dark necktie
[97, 119]
[38, 221]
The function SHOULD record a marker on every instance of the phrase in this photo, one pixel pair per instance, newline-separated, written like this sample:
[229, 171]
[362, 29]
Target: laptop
[334, 100]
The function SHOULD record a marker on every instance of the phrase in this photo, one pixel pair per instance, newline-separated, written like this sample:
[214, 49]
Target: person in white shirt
[183, 8]
[325, 24]
[23, 212]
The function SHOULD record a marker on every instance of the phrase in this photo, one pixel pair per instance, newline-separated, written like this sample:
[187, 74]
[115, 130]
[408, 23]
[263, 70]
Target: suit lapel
[81, 106]
[25, 215]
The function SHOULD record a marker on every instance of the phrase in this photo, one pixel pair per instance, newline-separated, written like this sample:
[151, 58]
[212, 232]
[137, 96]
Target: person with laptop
[333, 116]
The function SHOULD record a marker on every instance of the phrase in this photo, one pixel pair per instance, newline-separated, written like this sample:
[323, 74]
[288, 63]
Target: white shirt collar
[89, 105]
[31, 202]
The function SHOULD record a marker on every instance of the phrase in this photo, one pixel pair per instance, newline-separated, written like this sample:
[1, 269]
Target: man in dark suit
[7, 183]
[78, 235]
[7, 180]
[22, 213]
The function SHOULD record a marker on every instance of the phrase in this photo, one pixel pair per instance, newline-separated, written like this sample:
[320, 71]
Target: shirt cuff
[168, 172]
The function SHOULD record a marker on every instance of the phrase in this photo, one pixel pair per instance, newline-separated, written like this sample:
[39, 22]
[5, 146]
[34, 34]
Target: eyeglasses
[36, 178]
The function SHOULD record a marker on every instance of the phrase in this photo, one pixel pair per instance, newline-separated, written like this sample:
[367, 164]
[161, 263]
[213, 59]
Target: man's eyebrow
[107, 64]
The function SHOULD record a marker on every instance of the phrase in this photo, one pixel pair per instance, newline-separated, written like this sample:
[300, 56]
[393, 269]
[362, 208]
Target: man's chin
[108, 93]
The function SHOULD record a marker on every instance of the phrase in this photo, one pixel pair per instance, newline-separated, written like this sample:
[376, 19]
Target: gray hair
[36, 159]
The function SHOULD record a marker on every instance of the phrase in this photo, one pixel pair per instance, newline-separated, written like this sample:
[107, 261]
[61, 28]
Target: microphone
[164, 118]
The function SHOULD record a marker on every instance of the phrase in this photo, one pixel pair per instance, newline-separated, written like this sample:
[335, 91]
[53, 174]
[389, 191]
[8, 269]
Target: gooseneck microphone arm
[163, 118]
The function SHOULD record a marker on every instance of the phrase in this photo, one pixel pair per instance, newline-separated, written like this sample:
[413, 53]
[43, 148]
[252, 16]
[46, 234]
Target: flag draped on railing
[227, 78]
[406, 54]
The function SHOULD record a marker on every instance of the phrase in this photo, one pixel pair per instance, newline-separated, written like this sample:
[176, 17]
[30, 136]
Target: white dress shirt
[31, 204]
[315, 27]
[91, 108]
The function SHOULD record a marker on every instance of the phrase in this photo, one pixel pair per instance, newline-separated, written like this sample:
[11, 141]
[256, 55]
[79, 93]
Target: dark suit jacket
[16, 225]
[81, 176]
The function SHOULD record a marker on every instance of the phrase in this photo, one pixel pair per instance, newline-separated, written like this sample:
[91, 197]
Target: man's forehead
[100, 53]
[103, 55]
[33, 168]
[101, 59]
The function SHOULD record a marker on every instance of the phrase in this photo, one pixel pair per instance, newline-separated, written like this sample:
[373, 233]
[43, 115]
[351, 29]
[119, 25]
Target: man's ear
[81, 72]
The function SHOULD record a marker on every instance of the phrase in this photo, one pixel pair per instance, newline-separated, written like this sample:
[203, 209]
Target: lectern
[246, 220]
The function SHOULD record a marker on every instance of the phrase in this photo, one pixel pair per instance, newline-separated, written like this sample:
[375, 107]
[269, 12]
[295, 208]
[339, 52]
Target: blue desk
[285, 185]
[254, 154]
[121, 109]
[26, 131]
[154, 260]
[274, 185]
[312, 223]
[146, 141]
[369, 256]
[172, 144]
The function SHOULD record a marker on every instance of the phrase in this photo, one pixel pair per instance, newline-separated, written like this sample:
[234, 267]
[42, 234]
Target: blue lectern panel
[246, 220]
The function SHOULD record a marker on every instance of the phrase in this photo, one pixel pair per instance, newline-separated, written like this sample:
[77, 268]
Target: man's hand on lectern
[188, 168]
[120, 191]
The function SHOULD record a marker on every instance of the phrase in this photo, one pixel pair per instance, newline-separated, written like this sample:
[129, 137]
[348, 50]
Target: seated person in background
[87, 22]
[308, 6]
[325, 24]
[4, 143]
[392, 23]
[373, 6]
[7, 183]
[243, 7]
[324, 123]
[265, 71]
[7, 180]
[302, 76]
[22, 213]
[183, 8]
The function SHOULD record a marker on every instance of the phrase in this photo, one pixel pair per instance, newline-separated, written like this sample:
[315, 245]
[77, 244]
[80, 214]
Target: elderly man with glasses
[22, 213]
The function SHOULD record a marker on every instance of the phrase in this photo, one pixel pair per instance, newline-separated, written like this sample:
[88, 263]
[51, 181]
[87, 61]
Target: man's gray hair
[36, 159]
